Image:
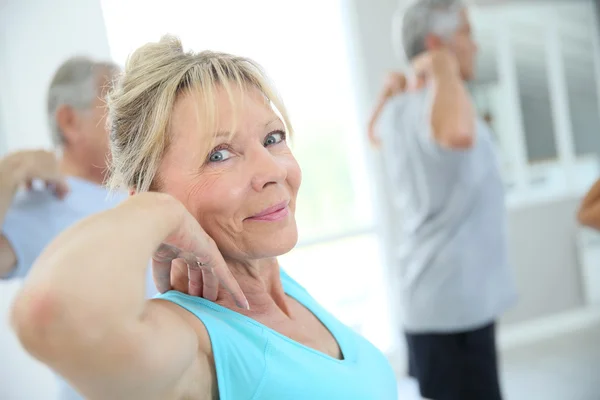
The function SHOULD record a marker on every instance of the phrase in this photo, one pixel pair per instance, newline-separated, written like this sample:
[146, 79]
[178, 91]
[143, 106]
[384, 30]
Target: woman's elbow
[34, 317]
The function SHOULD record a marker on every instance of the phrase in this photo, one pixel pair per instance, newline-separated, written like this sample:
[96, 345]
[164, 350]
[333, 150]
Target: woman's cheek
[294, 174]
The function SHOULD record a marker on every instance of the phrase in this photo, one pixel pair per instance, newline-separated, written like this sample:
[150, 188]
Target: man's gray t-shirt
[452, 252]
[37, 217]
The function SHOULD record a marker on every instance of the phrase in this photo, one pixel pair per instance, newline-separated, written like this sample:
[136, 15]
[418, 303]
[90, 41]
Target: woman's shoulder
[192, 306]
[171, 302]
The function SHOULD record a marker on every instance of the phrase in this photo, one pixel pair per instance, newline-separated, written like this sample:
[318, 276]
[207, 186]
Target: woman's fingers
[224, 275]
[210, 284]
[161, 266]
[161, 271]
[179, 276]
[195, 281]
[206, 267]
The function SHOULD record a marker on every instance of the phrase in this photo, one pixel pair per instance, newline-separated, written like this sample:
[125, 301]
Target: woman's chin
[278, 245]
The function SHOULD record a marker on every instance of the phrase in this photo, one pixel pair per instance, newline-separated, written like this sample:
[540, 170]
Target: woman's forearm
[90, 280]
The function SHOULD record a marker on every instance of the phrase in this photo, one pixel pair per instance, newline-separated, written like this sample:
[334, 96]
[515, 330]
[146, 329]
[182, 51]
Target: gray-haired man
[72, 184]
[453, 262]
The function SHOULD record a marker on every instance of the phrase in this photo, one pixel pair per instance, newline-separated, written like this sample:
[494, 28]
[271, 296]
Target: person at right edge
[453, 262]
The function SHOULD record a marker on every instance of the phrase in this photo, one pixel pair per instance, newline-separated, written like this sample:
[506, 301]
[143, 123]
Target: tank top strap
[240, 347]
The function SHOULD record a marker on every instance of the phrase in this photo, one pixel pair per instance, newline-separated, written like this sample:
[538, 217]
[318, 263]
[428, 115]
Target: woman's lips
[274, 213]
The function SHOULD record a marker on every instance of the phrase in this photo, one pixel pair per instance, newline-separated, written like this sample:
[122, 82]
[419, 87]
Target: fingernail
[243, 305]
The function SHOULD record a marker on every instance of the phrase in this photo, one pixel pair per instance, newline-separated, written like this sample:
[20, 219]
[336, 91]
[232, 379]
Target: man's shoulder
[408, 104]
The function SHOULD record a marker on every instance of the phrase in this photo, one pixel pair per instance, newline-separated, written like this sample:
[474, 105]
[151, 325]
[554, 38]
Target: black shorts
[456, 366]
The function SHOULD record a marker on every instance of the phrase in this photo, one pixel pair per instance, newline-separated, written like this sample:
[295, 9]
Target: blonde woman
[200, 141]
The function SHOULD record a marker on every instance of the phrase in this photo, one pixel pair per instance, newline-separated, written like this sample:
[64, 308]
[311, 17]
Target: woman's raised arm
[82, 309]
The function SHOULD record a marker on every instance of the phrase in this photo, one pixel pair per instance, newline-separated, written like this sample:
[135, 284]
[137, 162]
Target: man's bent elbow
[457, 141]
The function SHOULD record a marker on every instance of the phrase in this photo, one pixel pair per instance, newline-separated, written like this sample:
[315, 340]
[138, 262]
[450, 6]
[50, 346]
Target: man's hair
[76, 83]
[425, 17]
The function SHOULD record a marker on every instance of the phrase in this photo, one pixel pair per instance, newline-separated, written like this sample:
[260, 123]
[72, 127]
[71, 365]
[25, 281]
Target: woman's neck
[261, 283]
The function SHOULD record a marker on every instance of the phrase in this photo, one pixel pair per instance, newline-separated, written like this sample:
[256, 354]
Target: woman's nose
[266, 169]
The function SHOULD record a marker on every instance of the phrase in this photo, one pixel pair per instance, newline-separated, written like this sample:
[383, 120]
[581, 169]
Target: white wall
[35, 37]
[543, 247]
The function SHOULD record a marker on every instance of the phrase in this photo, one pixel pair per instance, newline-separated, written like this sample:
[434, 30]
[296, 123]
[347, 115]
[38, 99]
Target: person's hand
[436, 63]
[395, 83]
[190, 253]
[23, 167]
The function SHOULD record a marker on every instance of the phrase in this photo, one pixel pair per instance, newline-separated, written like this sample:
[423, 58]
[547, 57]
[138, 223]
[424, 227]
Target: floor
[563, 368]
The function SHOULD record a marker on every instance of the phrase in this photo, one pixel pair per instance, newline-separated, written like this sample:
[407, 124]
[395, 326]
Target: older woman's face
[244, 192]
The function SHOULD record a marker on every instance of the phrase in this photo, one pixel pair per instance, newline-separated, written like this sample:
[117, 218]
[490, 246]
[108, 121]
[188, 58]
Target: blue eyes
[221, 153]
[274, 138]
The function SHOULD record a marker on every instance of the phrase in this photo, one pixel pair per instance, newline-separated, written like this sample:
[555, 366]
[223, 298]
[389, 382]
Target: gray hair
[76, 83]
[424, 17]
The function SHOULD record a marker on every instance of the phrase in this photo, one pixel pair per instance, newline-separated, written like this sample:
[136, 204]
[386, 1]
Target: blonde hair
[141, 103]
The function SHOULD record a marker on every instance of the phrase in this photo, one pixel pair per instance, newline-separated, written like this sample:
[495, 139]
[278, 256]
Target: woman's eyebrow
[227, 134]
[272, 121]
[223, 134]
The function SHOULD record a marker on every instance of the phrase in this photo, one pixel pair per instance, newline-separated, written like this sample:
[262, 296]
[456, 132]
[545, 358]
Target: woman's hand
[190, 246]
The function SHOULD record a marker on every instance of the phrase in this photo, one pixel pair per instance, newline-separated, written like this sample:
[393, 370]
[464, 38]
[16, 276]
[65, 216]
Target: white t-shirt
[36, 217]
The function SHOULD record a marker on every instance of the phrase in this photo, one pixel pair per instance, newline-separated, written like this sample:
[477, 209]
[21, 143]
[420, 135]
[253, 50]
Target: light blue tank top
[255, 362]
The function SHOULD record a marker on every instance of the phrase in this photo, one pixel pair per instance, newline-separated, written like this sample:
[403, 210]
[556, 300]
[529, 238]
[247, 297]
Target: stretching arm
[394, 85]
[589, 211]
[17, 169]
[82, 309]
[8, 258]
[452, 115]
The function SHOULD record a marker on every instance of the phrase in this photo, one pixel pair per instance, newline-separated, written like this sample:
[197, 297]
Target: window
[538, 86]
[304, 52]
[528, 40]
[577, 50]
